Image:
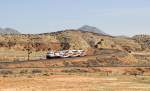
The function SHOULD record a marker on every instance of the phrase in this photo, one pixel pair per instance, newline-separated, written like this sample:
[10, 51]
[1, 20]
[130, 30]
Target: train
[65, 54]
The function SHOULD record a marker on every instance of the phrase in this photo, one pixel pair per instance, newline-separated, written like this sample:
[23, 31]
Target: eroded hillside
[14, 47]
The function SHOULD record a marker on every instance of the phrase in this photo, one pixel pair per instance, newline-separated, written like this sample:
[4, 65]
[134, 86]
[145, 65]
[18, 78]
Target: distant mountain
[8, 31]
[92, 29]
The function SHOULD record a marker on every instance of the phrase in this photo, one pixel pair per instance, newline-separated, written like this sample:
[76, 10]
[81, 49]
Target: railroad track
[41, 62]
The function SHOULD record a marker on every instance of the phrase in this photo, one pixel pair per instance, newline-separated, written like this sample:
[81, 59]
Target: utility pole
[28, 49]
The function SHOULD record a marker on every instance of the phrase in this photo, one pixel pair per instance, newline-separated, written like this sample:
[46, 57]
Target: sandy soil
[72, 83]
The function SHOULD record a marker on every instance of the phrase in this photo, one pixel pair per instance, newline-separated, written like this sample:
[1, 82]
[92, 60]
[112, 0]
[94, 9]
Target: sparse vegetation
[34, 71]
[75, 81]
[6, 72]
[74, 70]
[24, 71]
[94, 71]
[45, 74]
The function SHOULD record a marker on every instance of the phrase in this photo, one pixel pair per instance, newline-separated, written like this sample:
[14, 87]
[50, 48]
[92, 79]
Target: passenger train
[65, 54]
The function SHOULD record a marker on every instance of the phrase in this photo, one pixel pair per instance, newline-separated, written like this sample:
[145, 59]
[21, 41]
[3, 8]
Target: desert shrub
[93, 63]
[139, 69]
[66, 64]
[51, 73]
[96, 70]
[34, 71]
[10, 44]
[2, 44]
[74, 70]
[134, 72]
[74, 64]
[24, 71]
[29, 76]
[16, 60]
[65, 46]
[77, 64]
[64, 40]
[5, 76]
[6, 72]
[45, 74]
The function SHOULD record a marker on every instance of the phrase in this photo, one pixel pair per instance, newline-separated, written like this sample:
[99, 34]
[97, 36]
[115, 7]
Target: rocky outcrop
[143, 40]
[69, 39]
[112, 50]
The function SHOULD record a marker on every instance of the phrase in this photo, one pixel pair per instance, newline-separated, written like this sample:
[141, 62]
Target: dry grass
[75, 82]
[11, 55]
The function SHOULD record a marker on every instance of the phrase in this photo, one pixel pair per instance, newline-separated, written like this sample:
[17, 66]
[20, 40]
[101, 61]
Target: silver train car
[65, 54]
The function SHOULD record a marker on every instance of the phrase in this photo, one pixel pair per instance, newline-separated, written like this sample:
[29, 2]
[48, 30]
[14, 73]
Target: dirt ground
[75, 82]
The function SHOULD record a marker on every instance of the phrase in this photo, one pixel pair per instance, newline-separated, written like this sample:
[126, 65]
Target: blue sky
[117, 17]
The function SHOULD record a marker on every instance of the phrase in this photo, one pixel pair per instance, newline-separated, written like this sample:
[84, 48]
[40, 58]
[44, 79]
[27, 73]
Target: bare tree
[29, 49]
